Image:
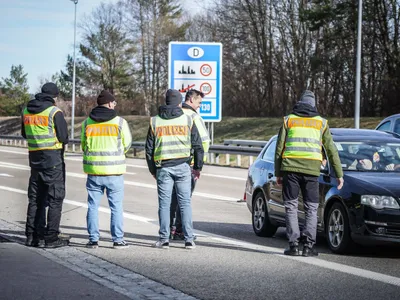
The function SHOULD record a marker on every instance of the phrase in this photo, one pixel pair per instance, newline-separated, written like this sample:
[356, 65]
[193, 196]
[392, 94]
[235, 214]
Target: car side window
[384, 127]
[269, 154]
[397, 126]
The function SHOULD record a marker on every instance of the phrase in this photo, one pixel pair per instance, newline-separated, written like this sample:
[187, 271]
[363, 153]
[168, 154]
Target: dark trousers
[293, 183]
[46, 188]
[175, 212]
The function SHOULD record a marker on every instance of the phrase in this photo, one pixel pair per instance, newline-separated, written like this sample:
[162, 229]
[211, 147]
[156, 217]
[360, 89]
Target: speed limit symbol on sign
[205, 88]
[205, 70]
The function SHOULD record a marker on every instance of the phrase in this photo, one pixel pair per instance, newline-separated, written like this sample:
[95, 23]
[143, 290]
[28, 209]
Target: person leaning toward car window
[105, 139]
[171, 138]
[298, 157]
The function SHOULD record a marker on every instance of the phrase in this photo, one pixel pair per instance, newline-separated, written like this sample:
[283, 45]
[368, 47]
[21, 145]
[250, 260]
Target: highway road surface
[229, 262]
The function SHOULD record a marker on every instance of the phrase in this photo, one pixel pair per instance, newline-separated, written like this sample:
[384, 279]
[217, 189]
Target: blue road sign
[198, 66]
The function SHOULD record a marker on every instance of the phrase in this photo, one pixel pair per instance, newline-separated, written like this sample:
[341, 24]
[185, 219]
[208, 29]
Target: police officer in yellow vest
[298, 159]
[105, 139]
[171, 137]
[46, 132]
[193, 99]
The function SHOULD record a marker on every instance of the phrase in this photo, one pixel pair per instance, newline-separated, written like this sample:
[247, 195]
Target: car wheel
[261, 224]
[338, 230]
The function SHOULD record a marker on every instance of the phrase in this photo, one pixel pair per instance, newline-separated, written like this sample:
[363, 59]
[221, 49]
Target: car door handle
[270, 175]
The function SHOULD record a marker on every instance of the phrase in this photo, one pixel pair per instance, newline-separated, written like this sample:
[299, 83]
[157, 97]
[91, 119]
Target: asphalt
[230, 262]
[26, 274]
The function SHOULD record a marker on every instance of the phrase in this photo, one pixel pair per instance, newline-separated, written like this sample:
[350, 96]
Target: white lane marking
[202, 173]
[136, 166]
[141, 167]
[5, 175]
[127, 182]
[223, 176]
[138, 287]
[84, 205]
[270, 250]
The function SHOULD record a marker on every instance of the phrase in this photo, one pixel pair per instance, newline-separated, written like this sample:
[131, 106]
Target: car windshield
[369, 156]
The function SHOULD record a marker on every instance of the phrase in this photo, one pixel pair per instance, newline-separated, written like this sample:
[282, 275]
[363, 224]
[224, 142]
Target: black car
[391, 123]
[365, 211]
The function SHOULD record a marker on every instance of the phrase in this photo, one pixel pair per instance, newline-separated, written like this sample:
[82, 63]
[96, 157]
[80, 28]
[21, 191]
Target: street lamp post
[358, 74]
[73, 78]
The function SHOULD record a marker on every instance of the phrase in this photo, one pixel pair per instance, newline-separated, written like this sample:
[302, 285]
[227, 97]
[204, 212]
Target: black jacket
[102, 114]
[44, 159]
[173, 112]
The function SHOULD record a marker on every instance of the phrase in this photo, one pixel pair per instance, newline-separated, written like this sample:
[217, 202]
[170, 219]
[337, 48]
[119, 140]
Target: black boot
[38, 242]
[309, 251]
[293, 250]
[29, 241]
[57, 244]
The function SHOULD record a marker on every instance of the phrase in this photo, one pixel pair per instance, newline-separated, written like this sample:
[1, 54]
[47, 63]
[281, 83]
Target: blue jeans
[179, 176]
[114, 186]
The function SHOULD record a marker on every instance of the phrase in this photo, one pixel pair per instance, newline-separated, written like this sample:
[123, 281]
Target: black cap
[105, 97]
[173, 97]
[50, 89]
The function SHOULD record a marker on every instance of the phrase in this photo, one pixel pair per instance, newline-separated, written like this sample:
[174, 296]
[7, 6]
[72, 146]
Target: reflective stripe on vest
[104, 153]
[172, 137]
[203, 132]
[40, 131]
[304, 137]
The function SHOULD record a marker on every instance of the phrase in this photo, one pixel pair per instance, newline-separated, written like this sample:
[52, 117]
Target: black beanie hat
[50, 89]
[173, 97]
[308, 97]
[105, 97]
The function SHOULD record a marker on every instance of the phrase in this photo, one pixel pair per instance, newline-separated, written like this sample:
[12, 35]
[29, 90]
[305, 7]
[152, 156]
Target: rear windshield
[369, 156]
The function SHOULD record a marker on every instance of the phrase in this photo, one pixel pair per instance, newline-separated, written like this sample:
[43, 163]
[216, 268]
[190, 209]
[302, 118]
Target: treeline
[273, 50]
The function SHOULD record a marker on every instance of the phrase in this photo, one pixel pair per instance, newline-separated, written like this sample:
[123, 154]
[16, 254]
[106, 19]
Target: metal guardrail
[250, 143]
[236, 148]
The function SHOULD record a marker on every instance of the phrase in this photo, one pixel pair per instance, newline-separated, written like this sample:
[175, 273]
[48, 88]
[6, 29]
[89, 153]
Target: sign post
[198, 66]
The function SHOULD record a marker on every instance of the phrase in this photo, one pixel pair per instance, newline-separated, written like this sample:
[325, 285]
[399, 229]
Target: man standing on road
[171, 136]
[105, 139]
[298, 159]
[193, 99]
[46, 132]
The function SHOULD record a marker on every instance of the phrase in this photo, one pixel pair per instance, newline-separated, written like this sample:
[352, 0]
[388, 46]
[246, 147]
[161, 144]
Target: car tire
[262, 225]
[337, 229]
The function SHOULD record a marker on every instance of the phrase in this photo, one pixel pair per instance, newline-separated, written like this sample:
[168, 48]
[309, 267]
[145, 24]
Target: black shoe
[57, 244]
[64, 236]
[161, 245]
[190, 245]
[292, 250]
[120, 245]
[29, 241]
[92, 245]
[307, 251]
[39, 243]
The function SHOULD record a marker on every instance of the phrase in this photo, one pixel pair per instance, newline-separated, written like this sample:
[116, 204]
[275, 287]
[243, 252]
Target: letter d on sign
[195, 52]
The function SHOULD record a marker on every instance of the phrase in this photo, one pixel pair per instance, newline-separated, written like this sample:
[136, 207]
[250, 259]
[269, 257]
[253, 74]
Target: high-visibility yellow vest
[201, 127]
[172, 137]
[104, 153]
[40, 130]
[304, 137]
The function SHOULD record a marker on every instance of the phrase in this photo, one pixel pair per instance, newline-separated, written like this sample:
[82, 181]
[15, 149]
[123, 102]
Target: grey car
[391, 123]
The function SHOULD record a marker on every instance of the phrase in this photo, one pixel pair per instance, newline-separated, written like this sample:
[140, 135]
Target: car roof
[391, 117]
[351, 134]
